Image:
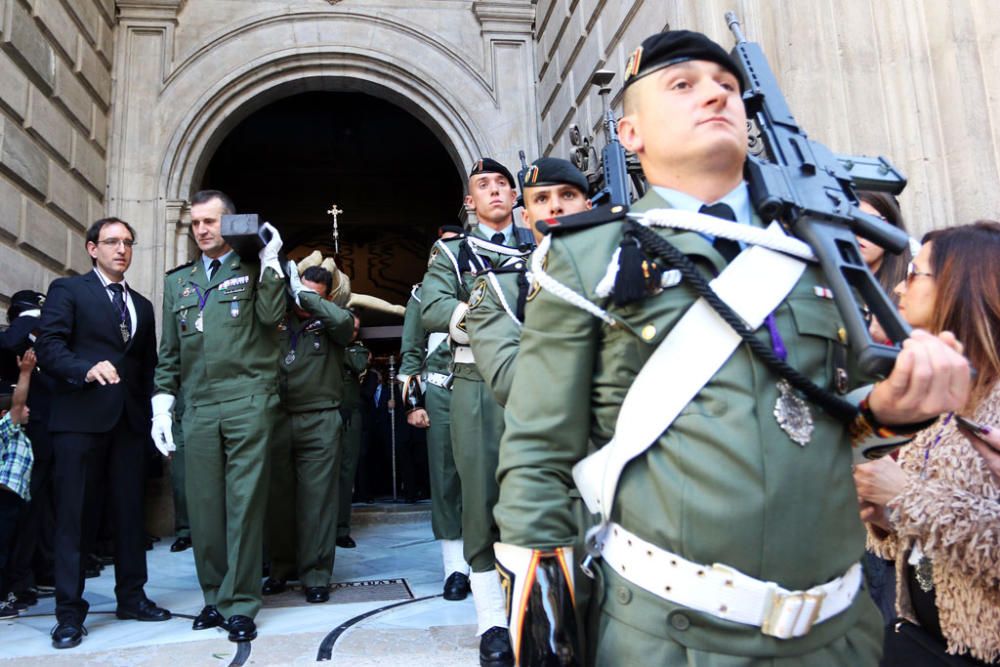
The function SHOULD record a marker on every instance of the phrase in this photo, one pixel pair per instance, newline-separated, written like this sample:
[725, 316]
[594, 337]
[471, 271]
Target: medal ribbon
[202, 298]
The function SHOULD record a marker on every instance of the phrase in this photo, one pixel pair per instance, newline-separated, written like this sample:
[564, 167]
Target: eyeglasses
[912, 272]
[114, 243]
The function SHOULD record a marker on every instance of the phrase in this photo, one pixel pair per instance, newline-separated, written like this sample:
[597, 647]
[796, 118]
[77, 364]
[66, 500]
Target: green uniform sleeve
[269, 303]
[548, 415]
[495, 339]
[166, 379]
[441, 291]
[414, 340]
[338, 322]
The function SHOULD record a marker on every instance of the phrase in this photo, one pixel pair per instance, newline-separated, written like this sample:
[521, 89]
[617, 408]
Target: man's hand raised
[930, 377]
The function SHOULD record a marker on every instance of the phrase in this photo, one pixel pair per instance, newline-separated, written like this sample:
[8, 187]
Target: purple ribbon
[777, 342]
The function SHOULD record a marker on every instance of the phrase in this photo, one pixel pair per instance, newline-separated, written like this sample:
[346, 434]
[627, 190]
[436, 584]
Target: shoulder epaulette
[182, 266]
[592, 218]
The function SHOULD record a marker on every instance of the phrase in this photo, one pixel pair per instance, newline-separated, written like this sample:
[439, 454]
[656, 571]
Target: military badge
[478, 294]
[793, 414]
[434, 253]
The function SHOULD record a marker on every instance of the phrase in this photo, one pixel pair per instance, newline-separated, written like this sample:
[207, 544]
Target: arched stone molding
[172, 112]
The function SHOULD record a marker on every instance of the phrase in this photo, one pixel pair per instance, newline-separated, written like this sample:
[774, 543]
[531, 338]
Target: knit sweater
[951, 507]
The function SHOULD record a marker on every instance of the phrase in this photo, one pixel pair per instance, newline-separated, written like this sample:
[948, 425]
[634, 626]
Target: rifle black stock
[614, 165]
[812, 191]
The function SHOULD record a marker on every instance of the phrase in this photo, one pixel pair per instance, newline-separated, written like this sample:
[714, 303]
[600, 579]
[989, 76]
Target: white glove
[163, 421]
[295, 282]
[269, 253]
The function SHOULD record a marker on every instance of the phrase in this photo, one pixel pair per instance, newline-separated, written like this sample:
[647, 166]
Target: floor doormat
[347, 592]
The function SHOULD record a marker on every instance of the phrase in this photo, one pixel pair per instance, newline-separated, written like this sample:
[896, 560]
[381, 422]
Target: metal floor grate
[348, 592]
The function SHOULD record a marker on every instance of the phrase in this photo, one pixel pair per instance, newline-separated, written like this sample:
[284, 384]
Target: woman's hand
[879, 481]
[988, 446]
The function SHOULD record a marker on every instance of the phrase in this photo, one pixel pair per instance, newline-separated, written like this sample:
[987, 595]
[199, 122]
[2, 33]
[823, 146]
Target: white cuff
[456, 327]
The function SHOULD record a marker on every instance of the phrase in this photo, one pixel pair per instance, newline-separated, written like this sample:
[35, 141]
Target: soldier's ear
[469, 204]
[525, 218]
[628, 134]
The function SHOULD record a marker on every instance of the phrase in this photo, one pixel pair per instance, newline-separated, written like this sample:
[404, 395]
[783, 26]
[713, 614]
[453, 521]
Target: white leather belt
[463, 355]
[725, 592]
[438, 380]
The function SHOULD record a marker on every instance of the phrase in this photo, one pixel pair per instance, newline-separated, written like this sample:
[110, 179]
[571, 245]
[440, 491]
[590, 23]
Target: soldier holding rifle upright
[729, 531]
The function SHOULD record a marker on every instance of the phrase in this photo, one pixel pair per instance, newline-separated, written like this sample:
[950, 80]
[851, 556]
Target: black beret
[555, 171]
[454, 229]
[676, 46]
[490, 166]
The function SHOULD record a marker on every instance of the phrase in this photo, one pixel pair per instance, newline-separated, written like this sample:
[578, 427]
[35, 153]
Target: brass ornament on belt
[793, 414]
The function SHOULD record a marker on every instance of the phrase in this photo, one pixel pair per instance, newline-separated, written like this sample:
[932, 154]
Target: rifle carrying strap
[753, 285]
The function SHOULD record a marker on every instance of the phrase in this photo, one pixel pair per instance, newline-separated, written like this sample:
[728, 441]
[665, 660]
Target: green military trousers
[302, 506]
[178, 477]
[631, 626]
[476, 428]
[226, 462]
[348, 469]
[446, 488]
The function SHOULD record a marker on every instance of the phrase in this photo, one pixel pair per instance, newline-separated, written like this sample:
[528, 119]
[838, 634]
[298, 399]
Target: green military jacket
[312, 354]
[232, 351]
[495, 329]
[417, 359]
[724, 483]
[355, 363]
[448, 282]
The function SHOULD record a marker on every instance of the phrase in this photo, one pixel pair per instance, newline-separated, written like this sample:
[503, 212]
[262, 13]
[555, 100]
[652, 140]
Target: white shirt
[111, 295]
[737, 199]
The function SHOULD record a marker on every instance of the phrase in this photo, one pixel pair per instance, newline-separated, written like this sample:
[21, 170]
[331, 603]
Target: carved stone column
[143, 57]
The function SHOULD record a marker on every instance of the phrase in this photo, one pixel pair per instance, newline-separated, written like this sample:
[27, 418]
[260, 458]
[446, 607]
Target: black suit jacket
[79, 328]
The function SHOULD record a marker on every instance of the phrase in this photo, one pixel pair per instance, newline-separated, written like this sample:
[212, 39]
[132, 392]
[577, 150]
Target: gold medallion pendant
[793, 415]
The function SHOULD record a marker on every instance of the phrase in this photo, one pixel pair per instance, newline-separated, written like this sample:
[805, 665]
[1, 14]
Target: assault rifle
[811, 191]
[616, 168]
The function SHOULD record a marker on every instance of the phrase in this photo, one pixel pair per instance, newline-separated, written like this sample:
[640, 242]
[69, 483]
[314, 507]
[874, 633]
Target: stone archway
[467, 73]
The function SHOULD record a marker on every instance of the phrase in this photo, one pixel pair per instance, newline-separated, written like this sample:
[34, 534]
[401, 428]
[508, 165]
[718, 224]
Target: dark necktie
[213, 267]
[725, 247]
[118, 298]
[498, 238]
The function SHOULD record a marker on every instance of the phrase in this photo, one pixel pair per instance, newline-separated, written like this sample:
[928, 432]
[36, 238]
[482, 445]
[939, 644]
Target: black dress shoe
[180, 544]
[241, 628]
[24, 596]
[317, 594]
[68, 634]
[345, 542]
[494, 648]
[456, 587]
[208, 617]
[273, 586]
[146, 610]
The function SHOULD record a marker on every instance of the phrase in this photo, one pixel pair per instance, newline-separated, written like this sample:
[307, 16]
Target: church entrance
[389, 175]
[393, 184]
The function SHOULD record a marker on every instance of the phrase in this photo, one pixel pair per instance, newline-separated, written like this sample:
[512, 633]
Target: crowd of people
[642, 423]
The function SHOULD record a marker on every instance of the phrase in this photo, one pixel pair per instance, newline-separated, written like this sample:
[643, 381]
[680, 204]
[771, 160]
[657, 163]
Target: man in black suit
[98, 341]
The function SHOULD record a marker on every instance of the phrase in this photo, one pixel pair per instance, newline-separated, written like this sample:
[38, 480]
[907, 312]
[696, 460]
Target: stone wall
[914, 80]
[55, 95]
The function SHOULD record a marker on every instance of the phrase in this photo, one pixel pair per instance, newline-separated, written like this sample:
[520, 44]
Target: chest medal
[199, 322]
[793, 415]
[290, 358]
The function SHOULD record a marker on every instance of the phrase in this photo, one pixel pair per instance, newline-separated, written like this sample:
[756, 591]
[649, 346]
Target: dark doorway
[291, 160]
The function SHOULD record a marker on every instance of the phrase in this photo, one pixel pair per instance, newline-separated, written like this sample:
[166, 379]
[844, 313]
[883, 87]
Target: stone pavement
[394, 542]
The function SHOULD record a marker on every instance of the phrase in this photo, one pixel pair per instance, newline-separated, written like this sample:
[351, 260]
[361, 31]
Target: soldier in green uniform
[730, 535]
[424, 371]
[476, 419]
[219, 346]
[553, 187]
[356, 360]
[306, 451]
